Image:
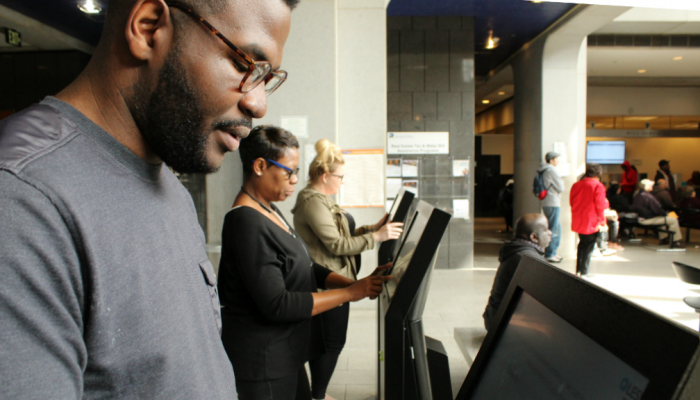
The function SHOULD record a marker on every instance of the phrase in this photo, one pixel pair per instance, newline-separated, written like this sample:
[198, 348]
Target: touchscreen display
[540, 356]
[408, 247]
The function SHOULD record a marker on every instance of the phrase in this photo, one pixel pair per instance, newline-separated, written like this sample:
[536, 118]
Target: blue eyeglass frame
[284, 167]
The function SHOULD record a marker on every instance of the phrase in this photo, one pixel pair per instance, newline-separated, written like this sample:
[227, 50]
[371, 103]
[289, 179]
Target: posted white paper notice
[461, 208]
[299, 126]
[409, 168]
[460, 167]
[392, 187]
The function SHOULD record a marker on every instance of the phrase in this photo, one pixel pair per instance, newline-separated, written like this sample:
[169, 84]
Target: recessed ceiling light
[491, 41]
[677, 58]
[642, 71]
[535, 1]
[485, 101]
[89, 7]
[501, 93]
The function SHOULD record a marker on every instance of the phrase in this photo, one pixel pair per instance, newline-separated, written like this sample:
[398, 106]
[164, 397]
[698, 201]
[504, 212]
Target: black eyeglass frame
[253, 65]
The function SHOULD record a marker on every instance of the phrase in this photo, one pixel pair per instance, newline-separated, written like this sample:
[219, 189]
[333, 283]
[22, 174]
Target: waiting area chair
[689, 274]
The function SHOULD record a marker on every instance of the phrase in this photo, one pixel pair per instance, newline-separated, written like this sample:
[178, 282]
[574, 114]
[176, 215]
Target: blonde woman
[333, 242]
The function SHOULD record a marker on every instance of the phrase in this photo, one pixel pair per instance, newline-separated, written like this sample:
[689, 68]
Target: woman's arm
[322, 222]
[370, 287]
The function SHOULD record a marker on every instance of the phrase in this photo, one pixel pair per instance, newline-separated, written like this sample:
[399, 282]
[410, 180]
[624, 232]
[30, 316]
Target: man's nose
[254, 103]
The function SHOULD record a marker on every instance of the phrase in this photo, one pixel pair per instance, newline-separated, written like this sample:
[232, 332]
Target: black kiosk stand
[404, 371]
[557, 336]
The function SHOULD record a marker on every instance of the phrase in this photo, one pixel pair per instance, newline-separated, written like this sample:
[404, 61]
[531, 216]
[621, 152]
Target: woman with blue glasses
[267, 281]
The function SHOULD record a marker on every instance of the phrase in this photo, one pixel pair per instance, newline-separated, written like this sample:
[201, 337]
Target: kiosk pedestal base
[439, 367]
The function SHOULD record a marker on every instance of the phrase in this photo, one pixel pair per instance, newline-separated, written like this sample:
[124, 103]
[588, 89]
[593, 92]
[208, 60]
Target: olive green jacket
[324, 228]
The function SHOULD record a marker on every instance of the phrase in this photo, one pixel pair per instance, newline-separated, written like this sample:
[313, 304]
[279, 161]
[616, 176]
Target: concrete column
[550, 106]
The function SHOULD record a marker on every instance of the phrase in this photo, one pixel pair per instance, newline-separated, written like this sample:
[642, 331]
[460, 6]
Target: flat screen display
[540, 356]
[605, 152]
[405, 253]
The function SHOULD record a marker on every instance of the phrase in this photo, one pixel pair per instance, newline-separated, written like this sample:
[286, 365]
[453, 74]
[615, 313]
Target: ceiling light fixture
[642, 71]
[492, 42]
[485, 101]
[677, 58]
[501, 93]
[89, 7]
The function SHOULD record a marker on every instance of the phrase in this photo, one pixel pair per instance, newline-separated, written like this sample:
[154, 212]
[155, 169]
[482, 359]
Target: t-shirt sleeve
[321, 222]
[41, 298]
[262, 263]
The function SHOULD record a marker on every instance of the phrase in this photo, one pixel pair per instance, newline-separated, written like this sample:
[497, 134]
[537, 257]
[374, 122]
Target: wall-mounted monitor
[605, 151]
[559, 337]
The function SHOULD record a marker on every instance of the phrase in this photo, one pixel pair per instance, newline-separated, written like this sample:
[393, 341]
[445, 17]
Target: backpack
[538, 187]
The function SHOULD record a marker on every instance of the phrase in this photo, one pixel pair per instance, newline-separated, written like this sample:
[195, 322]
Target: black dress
[265, 283]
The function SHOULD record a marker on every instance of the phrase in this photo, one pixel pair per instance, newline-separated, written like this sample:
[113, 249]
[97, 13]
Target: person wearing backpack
[548, 187]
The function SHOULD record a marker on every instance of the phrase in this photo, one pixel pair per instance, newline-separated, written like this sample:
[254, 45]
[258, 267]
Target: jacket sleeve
[322, 223]
[601, 203]
[655, 207]
[363, 230]
[43, 354]
[553, 180]
[262, 264]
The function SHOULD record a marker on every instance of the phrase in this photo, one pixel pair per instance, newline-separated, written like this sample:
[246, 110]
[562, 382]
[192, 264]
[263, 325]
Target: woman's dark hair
[612, 191]
[593, 170]
[265, 141]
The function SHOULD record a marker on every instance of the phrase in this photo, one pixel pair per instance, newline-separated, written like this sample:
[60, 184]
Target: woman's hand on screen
[369, 286]
[390, 230]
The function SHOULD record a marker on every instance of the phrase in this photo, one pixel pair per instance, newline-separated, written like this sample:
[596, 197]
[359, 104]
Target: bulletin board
[363, 183]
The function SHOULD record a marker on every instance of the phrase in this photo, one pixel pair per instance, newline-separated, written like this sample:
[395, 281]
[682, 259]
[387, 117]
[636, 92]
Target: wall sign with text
[13, 37]
[418, 143]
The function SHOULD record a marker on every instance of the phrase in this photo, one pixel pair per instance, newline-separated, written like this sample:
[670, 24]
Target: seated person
[691, 201]
[618, 202]
[607, 240]
[662, 194]
[531, 237]
[651, 213]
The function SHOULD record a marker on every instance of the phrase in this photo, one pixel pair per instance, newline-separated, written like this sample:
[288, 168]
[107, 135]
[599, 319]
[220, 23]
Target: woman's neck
[251, 191]
[319, 186]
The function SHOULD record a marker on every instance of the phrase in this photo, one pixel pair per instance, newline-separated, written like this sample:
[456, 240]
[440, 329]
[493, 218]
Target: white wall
[664, 101]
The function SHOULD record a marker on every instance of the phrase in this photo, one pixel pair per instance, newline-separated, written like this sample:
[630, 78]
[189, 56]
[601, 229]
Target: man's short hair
[118, 11]
[646, 183]
[593, 170]
[663, 163]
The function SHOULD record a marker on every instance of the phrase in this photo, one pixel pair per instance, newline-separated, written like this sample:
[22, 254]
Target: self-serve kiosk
[557, 336]
[399, 212]
[404, 370]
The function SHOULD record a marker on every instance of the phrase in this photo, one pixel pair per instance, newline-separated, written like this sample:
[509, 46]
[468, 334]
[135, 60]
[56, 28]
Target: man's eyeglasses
[290, 172]
[258, 71]
[339, 176]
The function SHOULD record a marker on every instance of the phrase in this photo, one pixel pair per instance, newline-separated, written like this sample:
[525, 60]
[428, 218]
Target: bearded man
[106, 288]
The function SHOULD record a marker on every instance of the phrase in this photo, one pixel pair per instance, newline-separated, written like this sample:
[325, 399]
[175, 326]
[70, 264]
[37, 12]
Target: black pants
[586, 245]
[335, 329]
[284, 388]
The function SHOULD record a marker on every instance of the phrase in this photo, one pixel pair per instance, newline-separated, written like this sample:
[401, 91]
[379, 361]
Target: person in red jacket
[629, 180]
[588, 202]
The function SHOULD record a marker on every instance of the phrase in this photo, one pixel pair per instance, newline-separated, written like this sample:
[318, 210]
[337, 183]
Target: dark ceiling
[515, 22]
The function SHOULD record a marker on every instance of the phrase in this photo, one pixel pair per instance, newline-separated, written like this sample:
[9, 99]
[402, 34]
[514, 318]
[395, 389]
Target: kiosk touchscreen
[399, 213]
[404, 372]
[559, 337]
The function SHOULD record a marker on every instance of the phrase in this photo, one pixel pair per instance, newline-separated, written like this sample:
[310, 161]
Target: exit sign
[13, 37]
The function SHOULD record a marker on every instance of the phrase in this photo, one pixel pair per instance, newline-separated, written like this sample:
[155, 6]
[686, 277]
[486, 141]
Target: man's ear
[149, 22]
[534, 238]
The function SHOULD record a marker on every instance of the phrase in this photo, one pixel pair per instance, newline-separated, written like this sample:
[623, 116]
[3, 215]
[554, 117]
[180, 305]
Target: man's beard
[171, 120]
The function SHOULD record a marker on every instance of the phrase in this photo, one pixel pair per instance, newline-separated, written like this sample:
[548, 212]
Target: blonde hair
[328, 156]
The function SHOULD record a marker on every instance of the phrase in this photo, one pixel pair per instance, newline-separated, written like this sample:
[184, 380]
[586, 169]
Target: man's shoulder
[31, 133]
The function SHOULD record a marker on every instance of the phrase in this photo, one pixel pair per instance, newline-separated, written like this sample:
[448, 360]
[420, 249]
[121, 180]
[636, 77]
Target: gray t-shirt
[105, 286]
